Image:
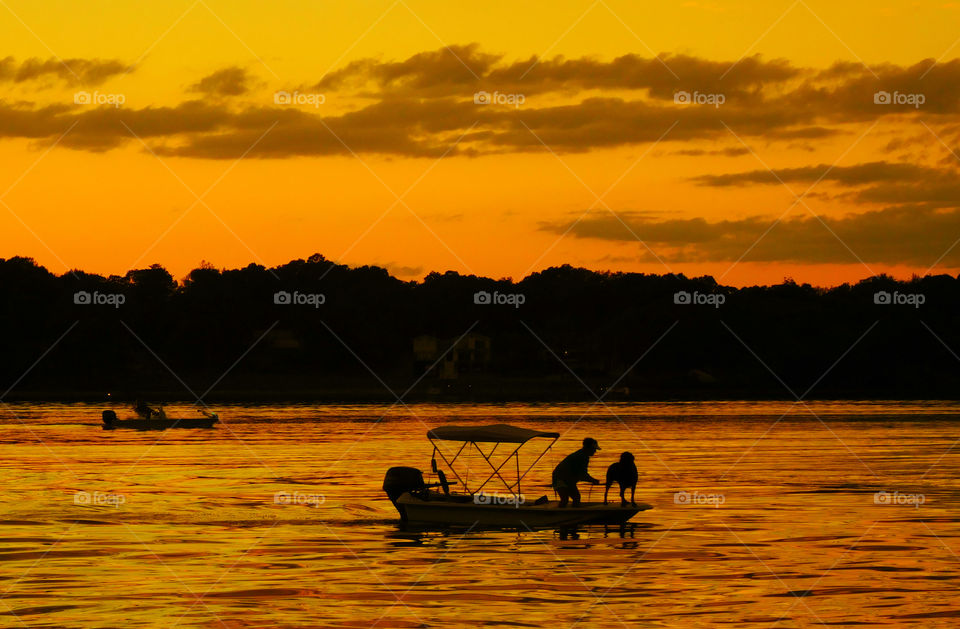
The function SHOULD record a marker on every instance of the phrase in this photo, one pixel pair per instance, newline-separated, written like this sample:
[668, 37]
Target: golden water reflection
[107, 529]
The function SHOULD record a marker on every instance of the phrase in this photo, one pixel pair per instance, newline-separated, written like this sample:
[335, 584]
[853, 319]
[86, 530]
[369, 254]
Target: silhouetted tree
[356, 340]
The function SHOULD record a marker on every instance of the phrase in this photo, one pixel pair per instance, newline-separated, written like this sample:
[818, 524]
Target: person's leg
[564, 496]
[633, 490]
[623, 495]
[575, 495]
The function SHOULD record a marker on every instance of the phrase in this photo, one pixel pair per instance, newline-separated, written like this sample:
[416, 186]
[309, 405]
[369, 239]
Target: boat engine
[400, 480]
[108, 418]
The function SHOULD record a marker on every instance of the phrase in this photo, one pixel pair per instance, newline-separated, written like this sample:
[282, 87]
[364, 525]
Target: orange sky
[492, 189]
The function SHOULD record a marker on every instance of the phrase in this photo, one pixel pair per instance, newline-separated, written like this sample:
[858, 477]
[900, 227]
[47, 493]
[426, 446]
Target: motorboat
[435, 503]
[159, 421]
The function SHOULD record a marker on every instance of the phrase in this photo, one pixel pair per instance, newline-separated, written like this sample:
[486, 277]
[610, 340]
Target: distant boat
[419, 502]
[160, 422]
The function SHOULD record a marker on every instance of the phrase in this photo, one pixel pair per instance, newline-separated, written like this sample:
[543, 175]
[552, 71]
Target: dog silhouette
[624, 473]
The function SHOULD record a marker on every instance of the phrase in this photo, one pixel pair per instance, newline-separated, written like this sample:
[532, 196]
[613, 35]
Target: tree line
[317, 330]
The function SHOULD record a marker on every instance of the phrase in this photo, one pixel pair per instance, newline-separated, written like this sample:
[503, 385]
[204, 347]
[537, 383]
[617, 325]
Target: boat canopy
[494, 433]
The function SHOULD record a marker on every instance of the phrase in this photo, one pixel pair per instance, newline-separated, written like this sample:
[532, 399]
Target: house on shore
[447, 359]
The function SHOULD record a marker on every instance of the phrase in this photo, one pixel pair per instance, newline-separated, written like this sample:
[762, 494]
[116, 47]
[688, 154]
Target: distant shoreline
[373, 396]
[313, 330]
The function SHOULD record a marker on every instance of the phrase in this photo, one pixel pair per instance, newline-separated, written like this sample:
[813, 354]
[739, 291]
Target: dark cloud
[849, 95]
[105, 127]
[418, 107]
[422, 104]
[942, 192]
[803, 133]
[890, 183]
[449, 70]
[903, 235]
[20, 121]
[844, 91]
[733, 151]
[226, 82]
[402, 127]
[73, 71]
[849, 175]
[462, 70]
[418, 127]
[428, 127]
[663, 76]
[213, 130]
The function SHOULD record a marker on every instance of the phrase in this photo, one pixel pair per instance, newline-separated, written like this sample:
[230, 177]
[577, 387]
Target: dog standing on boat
[624, 473]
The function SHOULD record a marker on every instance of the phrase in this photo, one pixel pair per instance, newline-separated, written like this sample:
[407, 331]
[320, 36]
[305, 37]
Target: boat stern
[400, 480]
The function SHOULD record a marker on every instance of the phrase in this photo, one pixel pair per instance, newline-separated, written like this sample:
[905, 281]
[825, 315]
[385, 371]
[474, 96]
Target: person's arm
[583, 475]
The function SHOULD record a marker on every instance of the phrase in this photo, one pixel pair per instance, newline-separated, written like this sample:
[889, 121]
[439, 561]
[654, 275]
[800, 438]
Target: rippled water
[781, 523]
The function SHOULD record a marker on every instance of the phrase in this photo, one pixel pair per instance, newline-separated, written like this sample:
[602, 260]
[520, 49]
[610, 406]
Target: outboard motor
[400, 480]
[108, 418]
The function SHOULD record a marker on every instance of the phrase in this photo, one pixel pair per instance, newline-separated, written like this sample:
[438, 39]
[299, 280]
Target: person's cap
[590, 441]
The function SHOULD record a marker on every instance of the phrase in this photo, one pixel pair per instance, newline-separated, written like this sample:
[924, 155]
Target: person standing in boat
[141, 409]
[573, 470]
[145, 412]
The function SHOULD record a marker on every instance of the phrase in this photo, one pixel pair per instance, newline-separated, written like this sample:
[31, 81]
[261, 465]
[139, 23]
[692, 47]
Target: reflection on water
[840, 513]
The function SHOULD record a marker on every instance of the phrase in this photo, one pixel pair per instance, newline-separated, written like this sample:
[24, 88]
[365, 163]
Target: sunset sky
[185, 152]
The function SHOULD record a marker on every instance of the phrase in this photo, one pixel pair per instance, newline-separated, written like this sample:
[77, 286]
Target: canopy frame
[514, 487]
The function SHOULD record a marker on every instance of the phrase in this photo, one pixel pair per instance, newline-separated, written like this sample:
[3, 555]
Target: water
[781, 523]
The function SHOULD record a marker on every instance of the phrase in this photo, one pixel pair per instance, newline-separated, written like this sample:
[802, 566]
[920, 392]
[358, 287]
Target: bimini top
[499, 433]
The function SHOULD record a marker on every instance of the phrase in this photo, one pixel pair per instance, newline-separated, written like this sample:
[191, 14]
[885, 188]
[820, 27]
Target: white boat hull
[441, 510]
